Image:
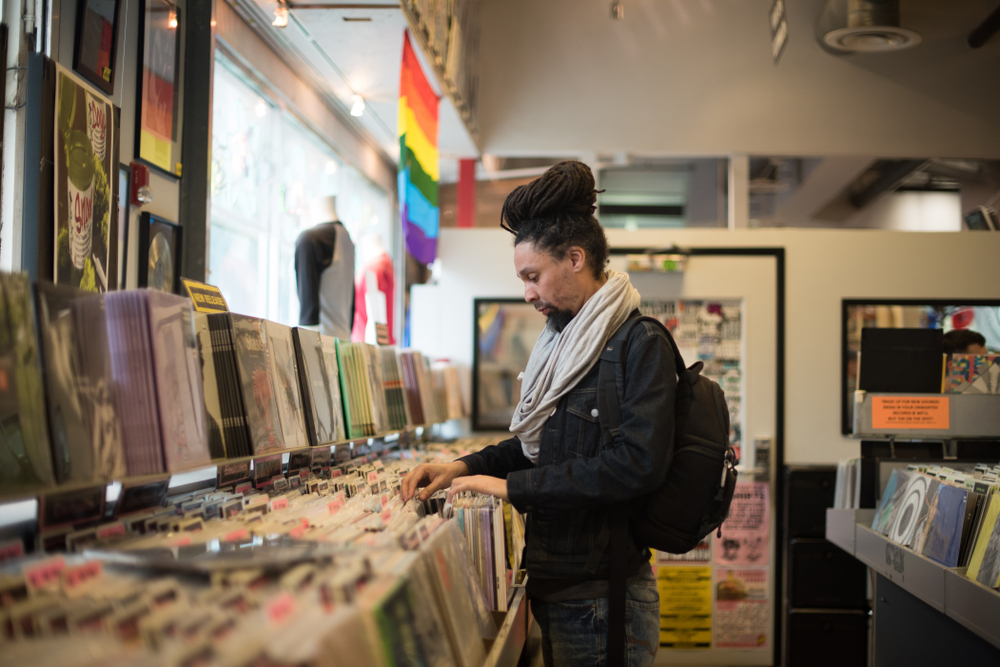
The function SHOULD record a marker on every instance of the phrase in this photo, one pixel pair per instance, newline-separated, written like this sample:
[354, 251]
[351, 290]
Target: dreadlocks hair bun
[556, 212]
[566, 188]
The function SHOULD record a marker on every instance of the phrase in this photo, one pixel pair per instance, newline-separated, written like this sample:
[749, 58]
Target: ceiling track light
[280, 16]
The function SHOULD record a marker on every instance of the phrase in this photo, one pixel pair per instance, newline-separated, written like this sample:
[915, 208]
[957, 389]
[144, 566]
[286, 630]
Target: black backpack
[696, 493]
[698, 489]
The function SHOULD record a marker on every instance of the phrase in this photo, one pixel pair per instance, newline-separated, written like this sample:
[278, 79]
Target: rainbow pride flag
[418, 158]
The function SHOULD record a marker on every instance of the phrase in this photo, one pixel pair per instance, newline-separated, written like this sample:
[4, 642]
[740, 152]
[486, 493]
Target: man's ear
[578, 256]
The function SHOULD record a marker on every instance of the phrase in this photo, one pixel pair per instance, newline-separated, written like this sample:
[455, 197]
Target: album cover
[925, 516]
[178, 380]
[328, 345]
[234, 420]
[210, 386]
[25, 454]
[974, 374]
[376, 387]
[983, 535]
[320, 403]
[412, 389]
[909, 508]
[257, 387]
[350, 416]
[896, 501]
[944, 535]
[132, 370]
[284, 375]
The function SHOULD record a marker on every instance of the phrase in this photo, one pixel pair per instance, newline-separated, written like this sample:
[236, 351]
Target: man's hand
[492, 486]
[433, 476]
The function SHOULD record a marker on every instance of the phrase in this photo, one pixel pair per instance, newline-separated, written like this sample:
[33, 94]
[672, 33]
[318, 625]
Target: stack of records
[936, 512]
[354, 387]
[411, 388]
[392, 379]
[213, 402]
[83, 411]
[424, 386]
[257, 384]
[376, 386]
[236, 433]
[284, 375]
[446, 374]
[320, 384]
[154, 359]
[481, 518]
[25, 457]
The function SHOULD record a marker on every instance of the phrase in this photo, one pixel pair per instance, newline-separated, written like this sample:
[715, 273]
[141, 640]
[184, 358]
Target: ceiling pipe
[985, 30]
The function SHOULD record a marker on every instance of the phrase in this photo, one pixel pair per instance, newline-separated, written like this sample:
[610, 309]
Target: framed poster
[158, 108]
[86, 219]
[159, 254]
[97, 42]
[124, 179]
[505, 333]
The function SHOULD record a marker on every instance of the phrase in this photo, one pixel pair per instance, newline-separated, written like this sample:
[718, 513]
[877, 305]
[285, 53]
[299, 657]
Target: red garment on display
[381, 266]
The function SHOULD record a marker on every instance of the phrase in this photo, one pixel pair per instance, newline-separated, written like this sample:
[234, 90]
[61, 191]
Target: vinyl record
[909, 510]
[161, 264]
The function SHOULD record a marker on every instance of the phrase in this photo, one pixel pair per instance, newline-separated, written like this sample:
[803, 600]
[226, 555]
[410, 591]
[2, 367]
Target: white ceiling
[364, 58]
[695, 77]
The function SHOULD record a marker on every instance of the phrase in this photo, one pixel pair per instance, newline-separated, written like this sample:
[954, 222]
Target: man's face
[552, 286]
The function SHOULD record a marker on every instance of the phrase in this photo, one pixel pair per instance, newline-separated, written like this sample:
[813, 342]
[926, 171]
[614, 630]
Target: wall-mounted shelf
[967, 416]
[947, 590]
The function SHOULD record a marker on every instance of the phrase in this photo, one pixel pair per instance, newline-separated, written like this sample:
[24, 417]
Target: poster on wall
[158, 127]
[742, 613]
[746, 532]
[685, 606]
[702, 553]
[709, 331]
[85, 184]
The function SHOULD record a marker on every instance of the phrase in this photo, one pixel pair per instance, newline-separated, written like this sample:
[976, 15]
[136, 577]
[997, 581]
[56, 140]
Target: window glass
[267, 167]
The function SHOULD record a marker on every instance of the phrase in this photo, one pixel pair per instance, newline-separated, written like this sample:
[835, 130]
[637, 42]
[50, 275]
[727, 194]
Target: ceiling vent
[863, 26]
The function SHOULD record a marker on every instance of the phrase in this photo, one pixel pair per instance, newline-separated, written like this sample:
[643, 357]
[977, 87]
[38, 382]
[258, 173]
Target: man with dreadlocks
[572, 479]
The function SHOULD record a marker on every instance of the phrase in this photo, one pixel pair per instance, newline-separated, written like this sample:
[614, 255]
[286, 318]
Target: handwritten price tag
[112, 530]
[280, 608]
[237, 535]
[74, 577]
[297, 533]
[279, 504]
[44, 575]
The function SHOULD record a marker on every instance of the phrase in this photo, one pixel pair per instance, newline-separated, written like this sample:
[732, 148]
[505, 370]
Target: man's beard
[559, 319]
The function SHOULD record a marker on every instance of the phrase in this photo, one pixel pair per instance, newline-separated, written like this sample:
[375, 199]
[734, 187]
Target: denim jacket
[581, 472]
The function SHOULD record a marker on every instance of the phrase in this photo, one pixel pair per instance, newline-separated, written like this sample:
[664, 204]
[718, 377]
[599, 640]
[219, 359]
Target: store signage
[206, 298]
[910, 412]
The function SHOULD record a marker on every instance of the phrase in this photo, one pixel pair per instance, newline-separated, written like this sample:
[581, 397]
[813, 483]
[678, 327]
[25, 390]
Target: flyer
[685, 606]
[746, 533]
[742, 616]
[702, 553]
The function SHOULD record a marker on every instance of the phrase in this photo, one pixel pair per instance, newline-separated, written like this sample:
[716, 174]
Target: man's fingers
[439, 482]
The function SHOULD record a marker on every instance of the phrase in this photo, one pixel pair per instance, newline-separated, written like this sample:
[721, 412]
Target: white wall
[695, 77]
[823, 267]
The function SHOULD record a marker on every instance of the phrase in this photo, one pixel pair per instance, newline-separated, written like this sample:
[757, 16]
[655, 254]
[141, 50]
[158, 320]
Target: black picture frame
[92, 31]
[159, 75]
[149, 227]
[847, 381]
[124, 208]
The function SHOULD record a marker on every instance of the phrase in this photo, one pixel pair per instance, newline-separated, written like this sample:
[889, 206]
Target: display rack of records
[318, 567]
[936, 534]
[927, 416]
[96, 388]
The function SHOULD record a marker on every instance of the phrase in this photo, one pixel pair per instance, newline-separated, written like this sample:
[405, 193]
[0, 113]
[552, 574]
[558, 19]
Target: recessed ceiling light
[358, 19]
[872, 38]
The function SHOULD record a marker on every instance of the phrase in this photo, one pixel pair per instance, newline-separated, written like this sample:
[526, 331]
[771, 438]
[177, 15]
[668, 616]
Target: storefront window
[266, 169]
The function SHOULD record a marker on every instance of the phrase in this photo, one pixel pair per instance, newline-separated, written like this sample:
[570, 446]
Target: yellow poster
[685, 606]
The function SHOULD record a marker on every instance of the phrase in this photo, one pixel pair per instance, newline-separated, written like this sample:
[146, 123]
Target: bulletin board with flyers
[718, 601]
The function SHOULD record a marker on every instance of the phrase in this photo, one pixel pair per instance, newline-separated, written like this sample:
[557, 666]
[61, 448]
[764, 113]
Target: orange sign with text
[910, 412]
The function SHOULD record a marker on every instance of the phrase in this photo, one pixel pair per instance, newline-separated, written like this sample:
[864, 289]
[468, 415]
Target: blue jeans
[575, 632]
